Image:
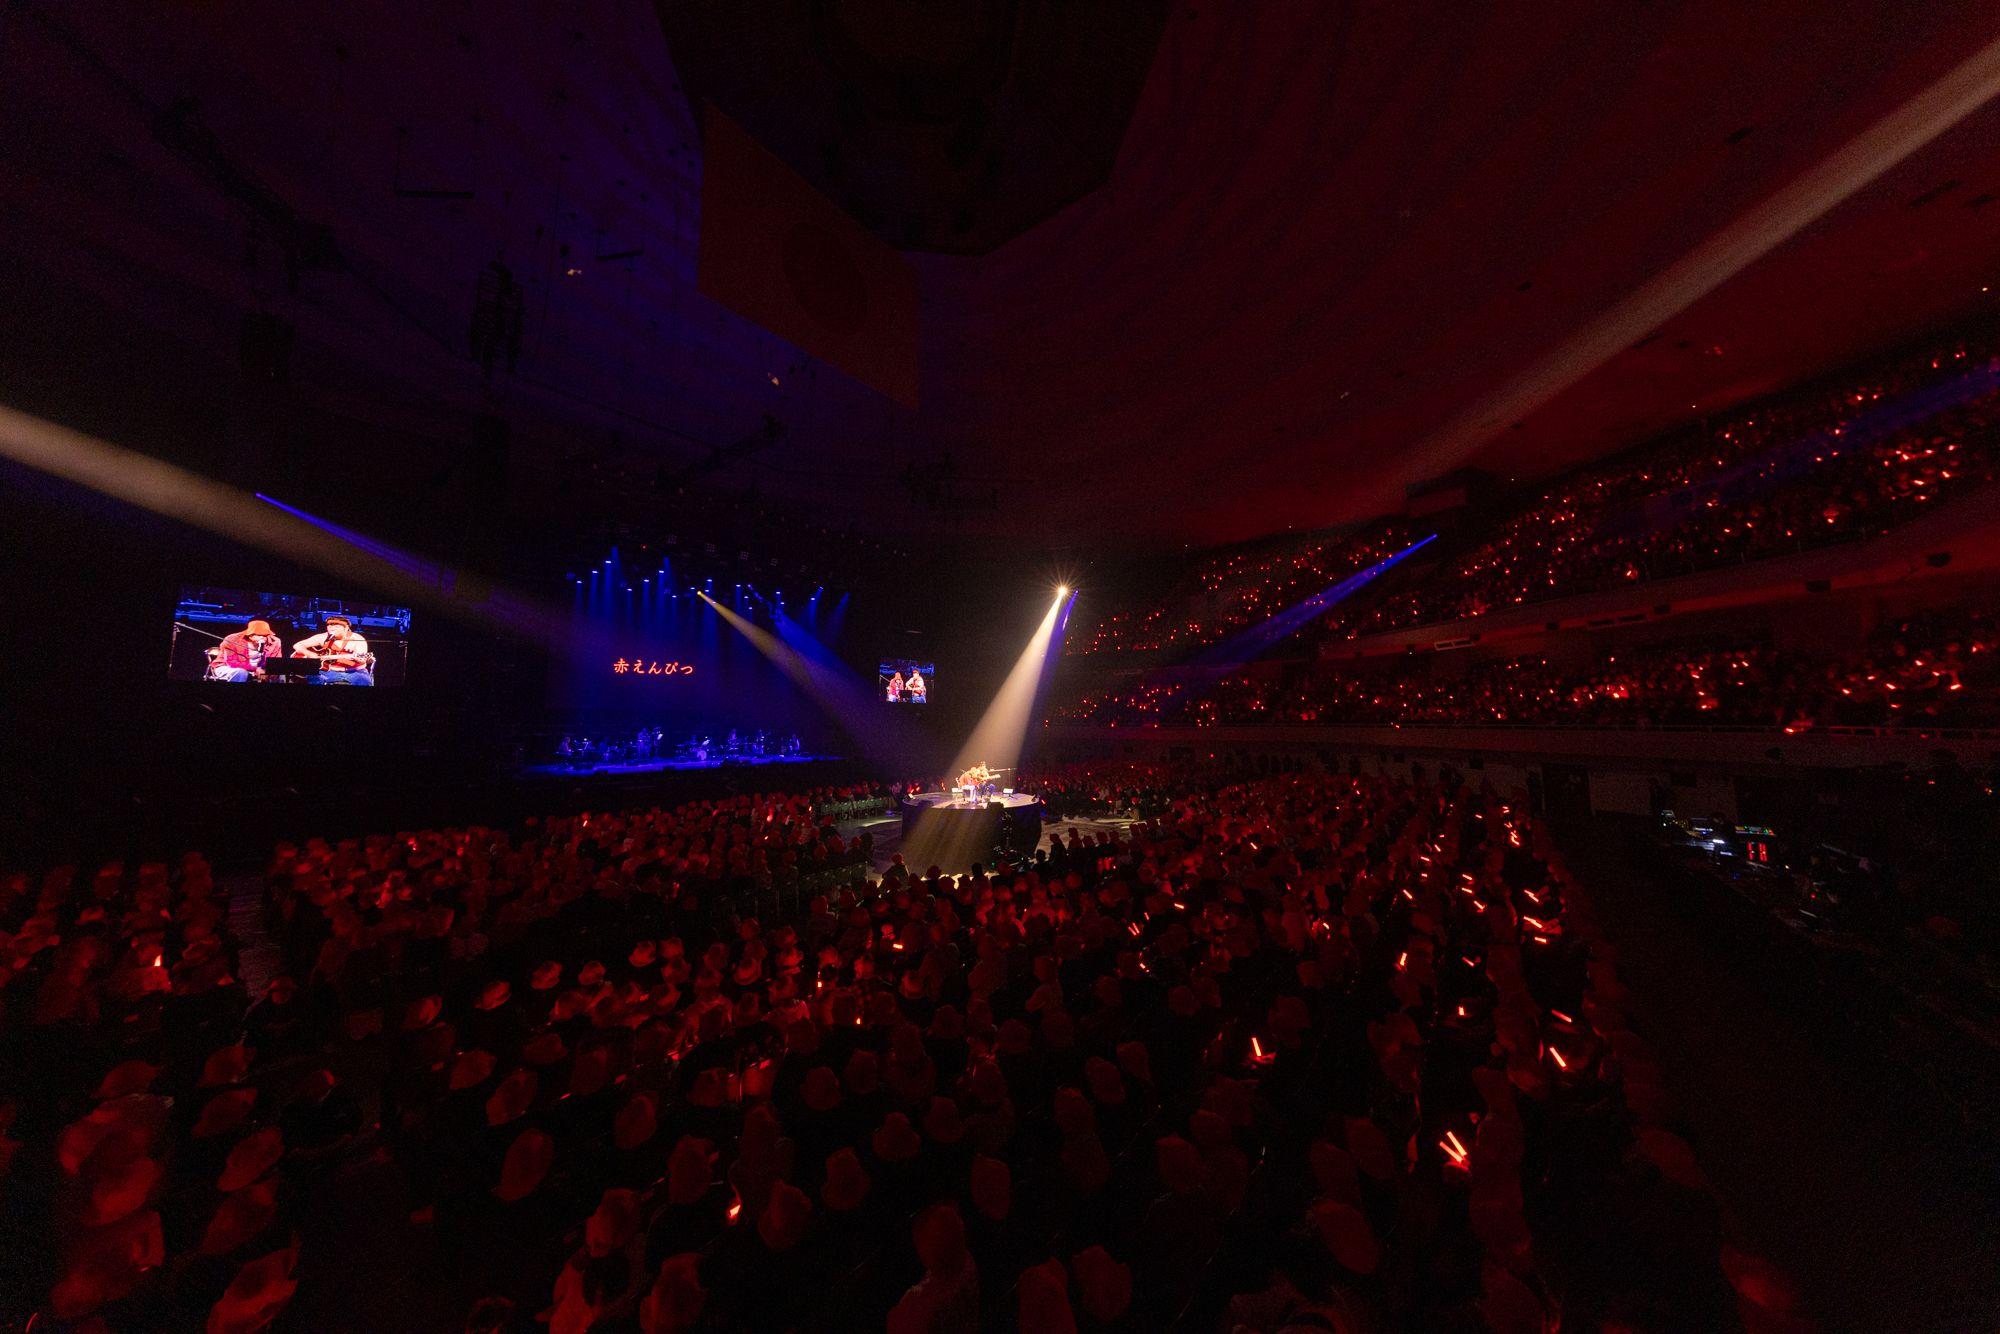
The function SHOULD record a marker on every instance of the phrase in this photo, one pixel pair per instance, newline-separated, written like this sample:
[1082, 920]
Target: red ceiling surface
[1335, 226]
[1332, 232]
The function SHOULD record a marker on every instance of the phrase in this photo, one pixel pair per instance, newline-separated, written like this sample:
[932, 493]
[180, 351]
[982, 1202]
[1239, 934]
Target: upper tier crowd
[1808, 468]
[1935, 671]
[1297, 1052]
[1229, 593]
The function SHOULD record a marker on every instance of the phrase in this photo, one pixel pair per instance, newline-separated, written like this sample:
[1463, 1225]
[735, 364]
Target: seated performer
[240, 656]
[896, 688]
[977, 782]
[343, 656]
[915, 686]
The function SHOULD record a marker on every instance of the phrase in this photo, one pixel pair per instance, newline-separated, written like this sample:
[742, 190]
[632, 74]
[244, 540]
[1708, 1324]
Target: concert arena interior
[1145, 666]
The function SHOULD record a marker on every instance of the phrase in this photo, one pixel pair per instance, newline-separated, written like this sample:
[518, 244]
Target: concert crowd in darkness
[1286, 1047]
[1243, 589]
[1463, 549]
[1937, 671]
[1774, 480]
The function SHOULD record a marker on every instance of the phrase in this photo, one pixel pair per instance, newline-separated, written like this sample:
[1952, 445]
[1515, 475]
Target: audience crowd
[1808, 468]
[1235, 590]
[1934, 671]
[1295, 1052]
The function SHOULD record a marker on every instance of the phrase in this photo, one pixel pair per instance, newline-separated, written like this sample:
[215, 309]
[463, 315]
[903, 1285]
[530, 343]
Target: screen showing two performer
[229, 637]
[905, 681]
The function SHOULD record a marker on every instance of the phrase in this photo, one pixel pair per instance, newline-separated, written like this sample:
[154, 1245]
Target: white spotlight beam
[202, 502]
[836, 695]
[1003, 728]
[1745, 240]
[997, 740]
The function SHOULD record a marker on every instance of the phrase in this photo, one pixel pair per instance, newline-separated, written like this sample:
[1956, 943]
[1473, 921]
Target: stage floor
[654, 766]
[945, 801]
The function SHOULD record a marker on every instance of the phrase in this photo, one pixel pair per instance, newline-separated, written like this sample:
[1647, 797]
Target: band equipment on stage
[650, 746]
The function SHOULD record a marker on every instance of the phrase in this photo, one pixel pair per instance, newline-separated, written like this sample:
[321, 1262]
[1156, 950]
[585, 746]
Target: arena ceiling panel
[1334, 240]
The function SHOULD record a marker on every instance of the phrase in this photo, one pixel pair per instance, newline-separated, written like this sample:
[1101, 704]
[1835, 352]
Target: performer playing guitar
[343, 655]
[980, 779]
[240, 656]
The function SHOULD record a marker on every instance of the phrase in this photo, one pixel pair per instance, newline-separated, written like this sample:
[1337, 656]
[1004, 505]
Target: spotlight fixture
[1062, 590]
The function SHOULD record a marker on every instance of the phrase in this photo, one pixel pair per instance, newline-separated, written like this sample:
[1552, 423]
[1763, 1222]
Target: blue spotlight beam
[840, 694]
[468, 594]
[1259, 639]
[1775, 467]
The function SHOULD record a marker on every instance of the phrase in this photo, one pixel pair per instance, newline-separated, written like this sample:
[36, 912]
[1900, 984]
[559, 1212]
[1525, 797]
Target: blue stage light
[1240, 648]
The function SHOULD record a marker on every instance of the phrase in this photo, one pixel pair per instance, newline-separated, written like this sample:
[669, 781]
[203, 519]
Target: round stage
[952, 832]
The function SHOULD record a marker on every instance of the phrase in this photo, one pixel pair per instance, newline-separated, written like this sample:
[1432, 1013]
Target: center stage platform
[953, 832]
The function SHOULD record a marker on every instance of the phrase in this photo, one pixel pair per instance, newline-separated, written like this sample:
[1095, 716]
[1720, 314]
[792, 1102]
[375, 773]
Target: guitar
[334, 658]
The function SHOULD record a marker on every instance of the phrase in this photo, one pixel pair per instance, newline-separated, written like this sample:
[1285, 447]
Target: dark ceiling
[1341, 246]
[943, 127]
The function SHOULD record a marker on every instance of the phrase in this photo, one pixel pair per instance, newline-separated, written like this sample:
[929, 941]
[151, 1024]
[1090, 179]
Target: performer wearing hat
[241, 656]
[343, 655]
